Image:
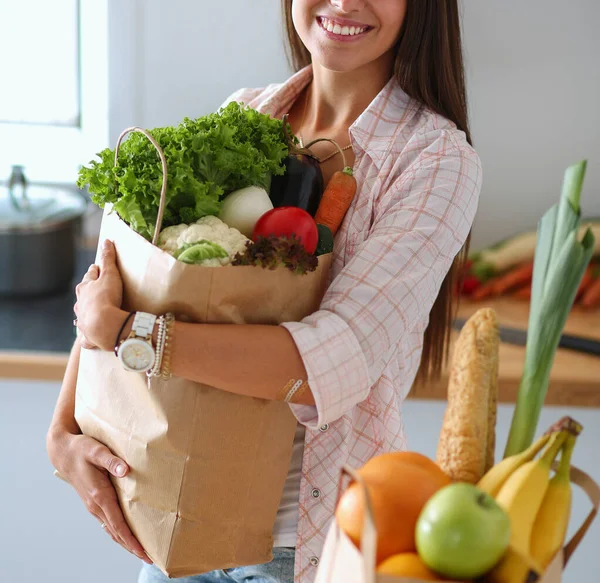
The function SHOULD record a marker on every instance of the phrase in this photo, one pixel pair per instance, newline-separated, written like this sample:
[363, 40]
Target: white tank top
[286, 523]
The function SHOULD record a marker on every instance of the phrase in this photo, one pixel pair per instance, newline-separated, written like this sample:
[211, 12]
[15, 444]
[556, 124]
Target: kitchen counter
[36, 335]
[575, 377]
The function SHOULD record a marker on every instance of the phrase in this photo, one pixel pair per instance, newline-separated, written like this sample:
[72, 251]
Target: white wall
[533, 80]
[185, 57]
[534, 91]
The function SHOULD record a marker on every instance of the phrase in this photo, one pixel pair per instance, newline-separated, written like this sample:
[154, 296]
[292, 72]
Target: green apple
[462, 532]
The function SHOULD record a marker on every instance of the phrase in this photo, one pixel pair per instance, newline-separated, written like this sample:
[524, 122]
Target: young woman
[383, 78]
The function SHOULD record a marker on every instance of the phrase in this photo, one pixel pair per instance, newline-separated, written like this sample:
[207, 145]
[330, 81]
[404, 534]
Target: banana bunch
[539, 506]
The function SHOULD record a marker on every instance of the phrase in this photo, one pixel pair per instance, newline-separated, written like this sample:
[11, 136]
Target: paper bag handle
[368, 535]
[587, 484]
[163, 189]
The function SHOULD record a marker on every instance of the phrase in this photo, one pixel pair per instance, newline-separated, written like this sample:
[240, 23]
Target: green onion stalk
[560, 261]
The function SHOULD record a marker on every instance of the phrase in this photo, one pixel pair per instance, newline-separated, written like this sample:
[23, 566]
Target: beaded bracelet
[294, 388]
[167, 347]
[160, 346]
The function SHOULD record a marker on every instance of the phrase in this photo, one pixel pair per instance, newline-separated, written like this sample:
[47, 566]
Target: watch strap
[143, 324]
[118, 340]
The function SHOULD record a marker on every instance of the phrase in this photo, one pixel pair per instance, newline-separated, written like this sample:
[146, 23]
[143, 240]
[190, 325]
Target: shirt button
[316, 493]
[314, 561]
[324, 428]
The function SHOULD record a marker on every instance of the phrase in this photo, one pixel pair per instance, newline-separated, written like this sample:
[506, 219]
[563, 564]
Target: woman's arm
[258, 361]
[252, 360]
[387, 288]
[85, 463]
[63, 419]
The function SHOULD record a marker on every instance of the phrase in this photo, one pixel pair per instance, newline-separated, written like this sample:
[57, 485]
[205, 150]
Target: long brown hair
[429, 68]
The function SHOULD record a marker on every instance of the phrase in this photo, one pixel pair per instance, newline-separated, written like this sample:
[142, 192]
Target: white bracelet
[160, 347]
[293, 390]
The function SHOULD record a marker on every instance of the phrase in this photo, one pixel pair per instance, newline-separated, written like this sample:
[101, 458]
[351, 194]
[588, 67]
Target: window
[54, 98]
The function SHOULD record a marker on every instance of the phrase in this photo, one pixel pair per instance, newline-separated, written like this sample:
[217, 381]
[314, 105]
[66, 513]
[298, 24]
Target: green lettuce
[201, 251]
[207, 158]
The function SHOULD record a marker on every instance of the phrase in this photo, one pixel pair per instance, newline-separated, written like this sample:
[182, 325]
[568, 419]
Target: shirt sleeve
[392, 281]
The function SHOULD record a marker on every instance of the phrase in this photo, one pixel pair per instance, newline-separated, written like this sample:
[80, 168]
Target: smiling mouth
[334, 27]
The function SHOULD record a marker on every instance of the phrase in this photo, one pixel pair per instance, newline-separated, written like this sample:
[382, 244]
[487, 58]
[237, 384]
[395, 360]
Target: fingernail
[120, 470]
[106, 243]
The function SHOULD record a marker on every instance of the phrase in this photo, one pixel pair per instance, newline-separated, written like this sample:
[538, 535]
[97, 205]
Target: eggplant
[302, 183]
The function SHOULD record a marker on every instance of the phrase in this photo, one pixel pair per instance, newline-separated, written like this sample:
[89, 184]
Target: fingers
[108, 257]
[95, 510]
[91, 274]
[91, 460]
[84, 342]
[117, 524]
[108, 525]
[101, 500]
[104, 459]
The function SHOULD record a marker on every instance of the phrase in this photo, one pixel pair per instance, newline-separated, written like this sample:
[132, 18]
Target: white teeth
[331, 26]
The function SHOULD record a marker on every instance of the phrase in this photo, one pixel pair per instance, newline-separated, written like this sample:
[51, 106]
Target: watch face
[136, 355]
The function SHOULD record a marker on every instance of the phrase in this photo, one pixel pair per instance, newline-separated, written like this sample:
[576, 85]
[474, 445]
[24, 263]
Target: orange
[399, 485]
[407, 565]
[412, 457]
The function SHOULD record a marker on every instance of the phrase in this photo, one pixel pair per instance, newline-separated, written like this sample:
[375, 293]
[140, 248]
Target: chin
[339, 63]
[336, 65]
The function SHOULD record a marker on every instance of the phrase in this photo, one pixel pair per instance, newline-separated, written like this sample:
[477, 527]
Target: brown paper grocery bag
[342, 562]
[207, 466]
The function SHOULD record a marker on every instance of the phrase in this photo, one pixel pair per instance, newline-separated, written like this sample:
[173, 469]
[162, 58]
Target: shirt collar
[375, 132]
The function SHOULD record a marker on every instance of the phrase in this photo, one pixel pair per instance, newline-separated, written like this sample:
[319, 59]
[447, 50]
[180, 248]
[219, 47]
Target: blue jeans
[279, 570]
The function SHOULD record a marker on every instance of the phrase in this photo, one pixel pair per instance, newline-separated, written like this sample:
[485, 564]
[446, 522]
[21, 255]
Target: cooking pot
[39, 232]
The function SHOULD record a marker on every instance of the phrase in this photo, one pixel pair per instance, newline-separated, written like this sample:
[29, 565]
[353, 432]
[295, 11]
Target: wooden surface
[575, 377]
[41, 366]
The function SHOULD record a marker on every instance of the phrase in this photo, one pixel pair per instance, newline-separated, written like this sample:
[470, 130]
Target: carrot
[336, 199]
[591, 296]
[586, 280]
[484, 291]
[338, 195]
[523, 293]
[518, 276]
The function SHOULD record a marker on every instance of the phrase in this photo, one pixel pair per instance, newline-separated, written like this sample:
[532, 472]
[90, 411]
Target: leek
[560, 261]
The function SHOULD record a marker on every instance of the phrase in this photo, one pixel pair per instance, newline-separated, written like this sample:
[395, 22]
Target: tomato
[469, 285]
[285, 221]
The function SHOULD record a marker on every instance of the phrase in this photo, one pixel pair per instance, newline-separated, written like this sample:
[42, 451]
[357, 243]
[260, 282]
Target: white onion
[242, 208]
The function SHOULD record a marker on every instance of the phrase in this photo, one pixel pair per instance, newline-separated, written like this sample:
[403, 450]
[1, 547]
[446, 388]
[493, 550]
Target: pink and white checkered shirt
[418, 190]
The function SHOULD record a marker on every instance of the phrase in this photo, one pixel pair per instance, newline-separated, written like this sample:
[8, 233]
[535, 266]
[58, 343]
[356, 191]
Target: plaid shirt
[418, 189]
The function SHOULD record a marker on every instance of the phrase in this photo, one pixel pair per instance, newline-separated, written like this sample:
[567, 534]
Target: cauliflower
[208, 242]
[167, 240]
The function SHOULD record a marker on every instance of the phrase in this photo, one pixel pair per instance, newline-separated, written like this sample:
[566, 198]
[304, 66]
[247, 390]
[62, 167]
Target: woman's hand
[99, 297]
[86, 464]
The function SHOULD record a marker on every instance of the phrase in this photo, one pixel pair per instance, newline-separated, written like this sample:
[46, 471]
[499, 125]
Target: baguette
[492, 396]
[467, 439]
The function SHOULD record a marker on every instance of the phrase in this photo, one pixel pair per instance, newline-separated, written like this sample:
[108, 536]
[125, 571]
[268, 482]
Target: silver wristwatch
[136, 352]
